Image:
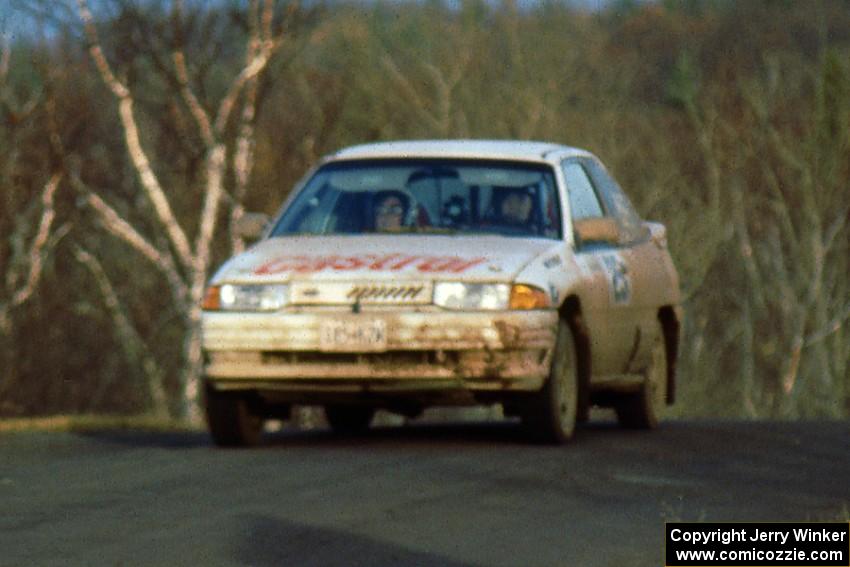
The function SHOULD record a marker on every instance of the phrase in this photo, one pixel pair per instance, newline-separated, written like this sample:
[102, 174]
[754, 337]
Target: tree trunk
[193, 365]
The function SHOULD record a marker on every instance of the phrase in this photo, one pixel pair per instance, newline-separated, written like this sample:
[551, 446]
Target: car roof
[473, 149]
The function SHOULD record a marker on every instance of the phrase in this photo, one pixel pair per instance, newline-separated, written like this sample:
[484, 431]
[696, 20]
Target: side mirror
[597, 230]
[657, 232]
[251, 226]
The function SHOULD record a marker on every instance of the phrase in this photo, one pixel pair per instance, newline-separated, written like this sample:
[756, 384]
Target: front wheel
[644, 409]
[550, 414]
[230, 419]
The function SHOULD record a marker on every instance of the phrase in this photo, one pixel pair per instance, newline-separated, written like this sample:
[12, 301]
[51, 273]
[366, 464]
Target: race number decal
[619, 282]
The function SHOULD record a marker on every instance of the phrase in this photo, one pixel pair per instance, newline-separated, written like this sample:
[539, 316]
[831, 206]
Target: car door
[643, 263]
[606, 291]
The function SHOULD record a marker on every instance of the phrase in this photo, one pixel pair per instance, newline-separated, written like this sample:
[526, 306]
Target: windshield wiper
[435, 230]
[419, 230]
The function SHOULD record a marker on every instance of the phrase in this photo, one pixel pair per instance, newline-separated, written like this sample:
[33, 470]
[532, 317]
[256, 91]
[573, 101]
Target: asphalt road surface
[448, 495]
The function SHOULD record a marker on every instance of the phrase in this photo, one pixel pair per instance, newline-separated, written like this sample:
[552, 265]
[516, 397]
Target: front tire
[230, 419]
[349, 420]
[644, 409]
[551, 414]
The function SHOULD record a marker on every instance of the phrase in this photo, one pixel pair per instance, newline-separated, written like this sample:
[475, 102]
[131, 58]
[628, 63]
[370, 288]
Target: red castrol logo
[374, 262]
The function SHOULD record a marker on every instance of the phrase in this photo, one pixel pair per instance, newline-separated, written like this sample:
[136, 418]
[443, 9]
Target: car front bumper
[427, 349]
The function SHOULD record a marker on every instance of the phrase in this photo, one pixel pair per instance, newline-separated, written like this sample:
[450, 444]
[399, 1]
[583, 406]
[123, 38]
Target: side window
[550, 208]
[617, 203]
[584, 203]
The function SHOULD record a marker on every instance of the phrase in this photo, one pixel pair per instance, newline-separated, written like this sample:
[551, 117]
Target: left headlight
[457, 295]
[233, 297]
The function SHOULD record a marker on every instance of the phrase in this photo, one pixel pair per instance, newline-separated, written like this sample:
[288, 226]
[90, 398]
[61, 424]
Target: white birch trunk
[186, 267]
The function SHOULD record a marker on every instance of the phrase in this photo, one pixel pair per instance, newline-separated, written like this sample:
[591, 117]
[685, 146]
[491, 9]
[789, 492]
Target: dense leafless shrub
[726, 121]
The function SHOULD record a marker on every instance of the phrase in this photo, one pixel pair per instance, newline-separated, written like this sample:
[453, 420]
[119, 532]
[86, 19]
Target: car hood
[485, 258]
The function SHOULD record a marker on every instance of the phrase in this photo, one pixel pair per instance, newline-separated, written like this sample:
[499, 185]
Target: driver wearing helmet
[390, 210]
[514, 207]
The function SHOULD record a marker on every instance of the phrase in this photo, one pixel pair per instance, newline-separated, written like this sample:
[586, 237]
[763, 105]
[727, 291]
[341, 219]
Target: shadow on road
[163, 440]
[467, 432]
[454, 432]
[274, 541]
[507, 433]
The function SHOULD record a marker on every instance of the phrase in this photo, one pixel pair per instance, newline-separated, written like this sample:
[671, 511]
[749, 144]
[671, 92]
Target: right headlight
[457, 295]
[474, 296]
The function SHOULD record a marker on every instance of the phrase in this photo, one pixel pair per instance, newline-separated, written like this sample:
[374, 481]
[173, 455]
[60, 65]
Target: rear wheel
[644, 409]
[230, 419]
[347, 420]
[550, 414]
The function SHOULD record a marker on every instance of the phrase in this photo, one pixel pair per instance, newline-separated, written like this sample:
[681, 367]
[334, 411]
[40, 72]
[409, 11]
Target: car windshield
[426, 196]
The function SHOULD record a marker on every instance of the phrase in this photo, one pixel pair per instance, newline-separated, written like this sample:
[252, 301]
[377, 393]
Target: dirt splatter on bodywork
[378, 294]
[478, 351]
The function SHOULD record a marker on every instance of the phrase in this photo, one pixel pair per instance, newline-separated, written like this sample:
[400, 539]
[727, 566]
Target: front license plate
[353, 336]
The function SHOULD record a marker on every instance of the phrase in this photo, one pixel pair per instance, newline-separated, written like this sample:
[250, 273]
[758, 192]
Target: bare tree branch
[243, 157]
[212, 199]
[243, 160]
[835, 228]
[197, 111]
[148, 178]
[131, 342]
[37, 246]
[112, 221]
[254, 68]
[117, 87]
[151, 183]
[189, 281]
[261, 46]
[117, 226]
[831, 328]
[410, 93]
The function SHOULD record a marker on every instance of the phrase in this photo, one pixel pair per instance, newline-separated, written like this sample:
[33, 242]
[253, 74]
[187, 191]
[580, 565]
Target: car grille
[346, 293]
[394, 358]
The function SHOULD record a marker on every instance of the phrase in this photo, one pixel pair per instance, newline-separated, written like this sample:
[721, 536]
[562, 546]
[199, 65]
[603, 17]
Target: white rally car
[402, 275]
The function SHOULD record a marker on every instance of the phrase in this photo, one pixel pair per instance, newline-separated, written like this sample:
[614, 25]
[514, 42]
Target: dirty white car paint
[574, 304]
